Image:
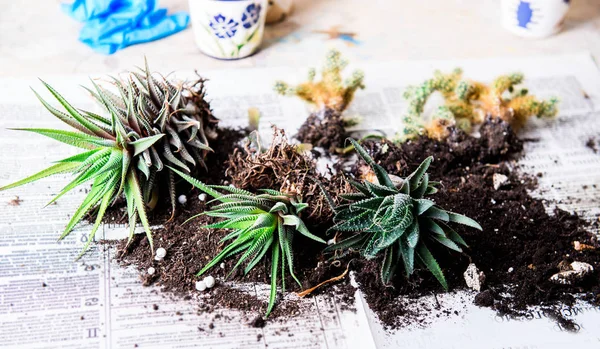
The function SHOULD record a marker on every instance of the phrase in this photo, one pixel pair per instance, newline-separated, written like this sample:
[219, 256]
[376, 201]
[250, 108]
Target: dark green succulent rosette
[394, 218]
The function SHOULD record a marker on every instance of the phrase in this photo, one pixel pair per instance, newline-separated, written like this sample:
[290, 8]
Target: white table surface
[36, 38]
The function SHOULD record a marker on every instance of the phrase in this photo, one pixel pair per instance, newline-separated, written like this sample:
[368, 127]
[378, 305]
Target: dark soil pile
[520, 246]
[325, 129]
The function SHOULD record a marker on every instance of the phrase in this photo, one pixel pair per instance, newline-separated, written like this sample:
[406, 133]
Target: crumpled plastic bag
[110, 25]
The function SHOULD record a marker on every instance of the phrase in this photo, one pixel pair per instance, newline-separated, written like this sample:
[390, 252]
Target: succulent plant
[468, 103]
[326, 127]
[331, 92]
[394, 218]
[149, 121]
[260, 224]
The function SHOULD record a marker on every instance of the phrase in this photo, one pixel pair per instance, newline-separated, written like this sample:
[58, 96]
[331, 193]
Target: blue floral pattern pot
[228, 29]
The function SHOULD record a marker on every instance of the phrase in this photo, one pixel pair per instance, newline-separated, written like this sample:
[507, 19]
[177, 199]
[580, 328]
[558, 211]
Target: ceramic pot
[228, 29]
[534, 18]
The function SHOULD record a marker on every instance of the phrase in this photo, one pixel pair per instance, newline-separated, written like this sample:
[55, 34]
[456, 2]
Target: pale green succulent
[260, 224]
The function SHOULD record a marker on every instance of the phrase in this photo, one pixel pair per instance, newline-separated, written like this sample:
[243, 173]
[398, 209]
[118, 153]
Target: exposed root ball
[282, 167]
[326, 130]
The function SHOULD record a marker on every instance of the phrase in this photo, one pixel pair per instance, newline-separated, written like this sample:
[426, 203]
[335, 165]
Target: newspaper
[49, 301]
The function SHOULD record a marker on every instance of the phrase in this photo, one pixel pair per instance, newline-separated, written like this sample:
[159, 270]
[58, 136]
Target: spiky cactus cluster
[149, 122]
[468, 103]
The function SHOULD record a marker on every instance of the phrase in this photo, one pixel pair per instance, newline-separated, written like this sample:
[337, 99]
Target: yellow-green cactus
[445, 116]
[468, 103]
[331, 91]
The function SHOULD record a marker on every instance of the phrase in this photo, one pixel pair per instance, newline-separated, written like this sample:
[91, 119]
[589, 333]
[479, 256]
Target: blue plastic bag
[110, 25]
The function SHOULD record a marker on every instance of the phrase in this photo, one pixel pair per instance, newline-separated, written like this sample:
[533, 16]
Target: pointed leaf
[133, 184]
[371, 204]
[196, 183]
[382, 176]
[446, 242]
[354, 241]
[300, 227]
[103, 206]
[273, 294]
[52, 170]
[279, 207]
[427, 258]
[79, 157]
[408, 257]
[430, 225]
[415, 177]
[380, 190]
[354, 196]
[75, 139]
[464, 220]
[76, 115]
[437, 213]
[358, 186]
[413, 234]
[423, 205]
[419, 191]
[389, 264]
[144, 143]
[453, 235]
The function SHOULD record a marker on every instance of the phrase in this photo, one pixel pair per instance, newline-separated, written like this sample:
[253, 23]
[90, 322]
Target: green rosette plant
[395, 218]
[261, 224]
[148, 122]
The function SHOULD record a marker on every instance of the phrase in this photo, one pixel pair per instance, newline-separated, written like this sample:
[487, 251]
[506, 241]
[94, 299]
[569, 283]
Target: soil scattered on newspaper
[592, 143]
[520, 248]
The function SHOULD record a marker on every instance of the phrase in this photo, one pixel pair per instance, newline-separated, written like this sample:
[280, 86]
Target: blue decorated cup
[228, 29]
[534, 18]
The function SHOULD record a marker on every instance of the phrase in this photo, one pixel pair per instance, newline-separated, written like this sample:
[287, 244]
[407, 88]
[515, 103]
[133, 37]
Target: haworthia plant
[261, 224]
[394, 219]
[148, 121]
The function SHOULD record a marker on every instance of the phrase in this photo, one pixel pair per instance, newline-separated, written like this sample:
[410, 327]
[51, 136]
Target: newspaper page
[49, 301]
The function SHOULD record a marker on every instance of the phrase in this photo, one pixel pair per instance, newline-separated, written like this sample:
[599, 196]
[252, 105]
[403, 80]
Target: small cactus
[331, 91]
[468, 103]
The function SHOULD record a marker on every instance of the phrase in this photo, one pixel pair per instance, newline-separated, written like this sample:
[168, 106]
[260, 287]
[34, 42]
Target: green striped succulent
[259, 223]
[149, 122]
[394, 218]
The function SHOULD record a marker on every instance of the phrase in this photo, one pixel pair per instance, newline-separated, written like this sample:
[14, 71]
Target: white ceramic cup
[228, 29]
[534, 18]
